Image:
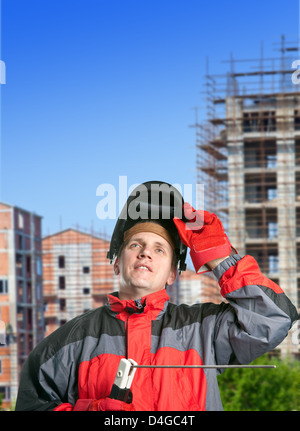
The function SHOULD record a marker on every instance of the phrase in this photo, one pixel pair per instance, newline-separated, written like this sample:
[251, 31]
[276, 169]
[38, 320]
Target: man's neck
[134, 293]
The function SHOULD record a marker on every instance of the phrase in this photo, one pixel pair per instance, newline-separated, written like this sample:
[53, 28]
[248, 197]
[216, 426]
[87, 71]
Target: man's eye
[160, 250]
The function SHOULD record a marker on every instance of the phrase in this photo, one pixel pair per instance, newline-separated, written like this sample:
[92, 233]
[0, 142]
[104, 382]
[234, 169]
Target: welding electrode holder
[121, 388]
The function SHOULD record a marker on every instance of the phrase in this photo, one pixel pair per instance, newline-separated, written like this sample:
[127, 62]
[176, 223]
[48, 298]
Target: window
[297, 120]
[61, 261]
[86, 290]
[39, 266]
[19, 264]
[272, 230]
[29, 318]
[273, 264]
[272, 193]
[21, 220]
[20, 240]
[86, 269]
[271, 161]
[2, 335]
[61, 282]
[3, 286]
[5, 392]
[28, 266]
[62, 304]
[38, 291]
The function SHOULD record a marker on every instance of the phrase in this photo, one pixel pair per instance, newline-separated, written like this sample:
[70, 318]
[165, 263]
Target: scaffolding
[248, 158]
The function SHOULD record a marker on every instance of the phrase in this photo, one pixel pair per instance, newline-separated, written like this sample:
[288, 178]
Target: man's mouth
[143, 267]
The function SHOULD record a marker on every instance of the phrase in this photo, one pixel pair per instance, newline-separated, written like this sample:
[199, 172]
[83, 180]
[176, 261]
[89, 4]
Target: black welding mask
[154, 201]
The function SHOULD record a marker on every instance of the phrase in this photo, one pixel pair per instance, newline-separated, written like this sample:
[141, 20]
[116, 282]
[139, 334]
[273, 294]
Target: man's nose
[145, 252]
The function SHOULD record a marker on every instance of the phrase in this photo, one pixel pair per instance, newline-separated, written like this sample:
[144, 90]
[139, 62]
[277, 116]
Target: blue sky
[99, 89]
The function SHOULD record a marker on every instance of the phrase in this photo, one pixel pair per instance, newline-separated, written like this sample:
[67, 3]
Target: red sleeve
[245, 272]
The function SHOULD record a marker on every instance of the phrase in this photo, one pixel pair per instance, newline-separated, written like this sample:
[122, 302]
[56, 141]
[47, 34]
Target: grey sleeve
[259, 314]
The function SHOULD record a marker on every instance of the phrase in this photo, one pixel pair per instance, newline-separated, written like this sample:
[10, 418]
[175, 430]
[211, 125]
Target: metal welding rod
[203, 366]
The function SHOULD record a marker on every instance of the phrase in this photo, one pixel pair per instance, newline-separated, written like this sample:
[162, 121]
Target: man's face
[145, 265]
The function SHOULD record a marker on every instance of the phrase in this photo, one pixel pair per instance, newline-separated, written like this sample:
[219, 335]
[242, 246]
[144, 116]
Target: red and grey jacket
[79, 360]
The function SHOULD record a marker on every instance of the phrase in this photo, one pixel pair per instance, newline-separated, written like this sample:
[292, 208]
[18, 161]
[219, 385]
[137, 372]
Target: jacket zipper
[126, 338]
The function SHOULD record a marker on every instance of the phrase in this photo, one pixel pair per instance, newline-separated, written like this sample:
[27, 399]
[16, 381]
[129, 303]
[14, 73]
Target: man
[74, 368]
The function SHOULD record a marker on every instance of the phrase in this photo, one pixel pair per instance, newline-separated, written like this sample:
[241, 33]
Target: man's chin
[142, 285]
[141, 281]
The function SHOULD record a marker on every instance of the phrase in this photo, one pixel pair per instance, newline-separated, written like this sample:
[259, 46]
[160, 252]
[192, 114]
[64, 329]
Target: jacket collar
[152, 304]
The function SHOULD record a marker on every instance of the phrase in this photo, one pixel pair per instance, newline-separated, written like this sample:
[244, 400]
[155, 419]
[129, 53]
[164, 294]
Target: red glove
[110, 405]
[204, 235]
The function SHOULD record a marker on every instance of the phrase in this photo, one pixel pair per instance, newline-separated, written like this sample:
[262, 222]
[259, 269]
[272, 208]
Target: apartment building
[77, 275]
[248, 157]
[21, 302]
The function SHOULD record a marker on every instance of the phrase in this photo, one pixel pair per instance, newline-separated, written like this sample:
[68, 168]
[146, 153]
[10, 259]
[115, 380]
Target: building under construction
[248, 158]
[77, 276]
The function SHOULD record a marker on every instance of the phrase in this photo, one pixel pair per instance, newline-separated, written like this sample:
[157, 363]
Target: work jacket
[78, 362]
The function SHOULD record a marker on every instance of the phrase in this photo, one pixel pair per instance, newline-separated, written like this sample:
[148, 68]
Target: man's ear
[172, 276]
[116, 267]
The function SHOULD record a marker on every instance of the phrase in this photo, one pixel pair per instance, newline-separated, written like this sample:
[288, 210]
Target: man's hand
[204, 234]
[109, 405]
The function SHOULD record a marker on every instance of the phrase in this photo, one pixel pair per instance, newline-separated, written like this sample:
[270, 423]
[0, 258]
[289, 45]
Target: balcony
[257, 196]
[269, 232]
[260, 154]
[259, 122]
